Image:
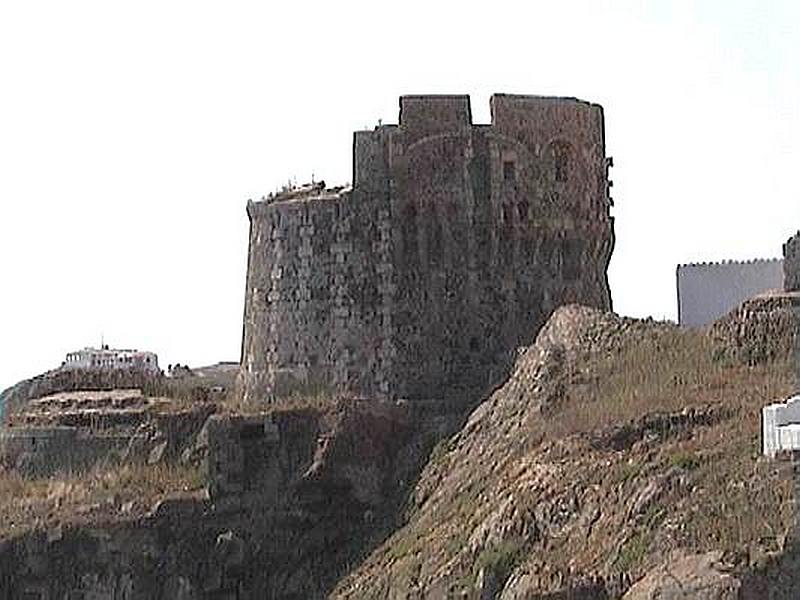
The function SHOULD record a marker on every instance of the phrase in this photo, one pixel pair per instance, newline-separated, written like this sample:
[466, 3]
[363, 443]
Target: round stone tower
[453, 247]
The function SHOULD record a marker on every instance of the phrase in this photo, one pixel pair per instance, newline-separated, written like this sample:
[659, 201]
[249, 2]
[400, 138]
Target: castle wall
[370, 166]
[791, 264]
[707, 292]
[455, 245]
[318, 309]
[423, 116]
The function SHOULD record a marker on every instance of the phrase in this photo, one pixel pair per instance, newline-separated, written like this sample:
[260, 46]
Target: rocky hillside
[620, 460]
[616, 445]
[761, 330]
[211, 383]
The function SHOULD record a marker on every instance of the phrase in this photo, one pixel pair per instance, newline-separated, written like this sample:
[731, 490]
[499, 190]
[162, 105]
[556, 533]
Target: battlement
[710, 290]
[554, 135]
[452, 248]
[729, 263]
[433, 114]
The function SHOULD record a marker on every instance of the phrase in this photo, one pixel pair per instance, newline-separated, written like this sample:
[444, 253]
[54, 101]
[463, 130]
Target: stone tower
[451, 249]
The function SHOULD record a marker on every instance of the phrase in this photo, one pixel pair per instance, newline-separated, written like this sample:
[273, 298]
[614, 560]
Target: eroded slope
[614, 443]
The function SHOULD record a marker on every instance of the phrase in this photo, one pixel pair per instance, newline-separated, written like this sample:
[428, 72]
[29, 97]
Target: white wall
[709, 291]
[780, 426]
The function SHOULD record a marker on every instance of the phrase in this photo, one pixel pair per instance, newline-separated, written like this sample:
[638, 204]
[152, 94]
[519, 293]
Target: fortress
[450, 250]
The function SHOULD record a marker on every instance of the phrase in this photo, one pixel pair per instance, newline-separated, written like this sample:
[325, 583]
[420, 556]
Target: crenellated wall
[455, 244]
[709, 291]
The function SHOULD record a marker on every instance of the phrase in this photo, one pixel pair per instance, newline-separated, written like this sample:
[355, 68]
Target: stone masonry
[791, 264]
[451, 249]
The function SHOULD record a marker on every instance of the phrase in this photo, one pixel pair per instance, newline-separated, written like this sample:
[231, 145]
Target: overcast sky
[132, 135]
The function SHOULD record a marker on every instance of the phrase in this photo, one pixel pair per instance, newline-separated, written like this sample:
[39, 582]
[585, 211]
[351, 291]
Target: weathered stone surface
[695, 577]
[71, 432]
[541, 495]
[762, 329]
[455, 244]
[294, 496]
[791, 264]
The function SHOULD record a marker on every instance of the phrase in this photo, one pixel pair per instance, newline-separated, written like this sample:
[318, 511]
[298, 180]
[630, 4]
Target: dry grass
[713, 489]
[666, 371]
[315, 398]
[118, 491]
[736, 500]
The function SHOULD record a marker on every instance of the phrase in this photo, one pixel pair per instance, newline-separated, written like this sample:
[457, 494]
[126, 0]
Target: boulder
[696, 577]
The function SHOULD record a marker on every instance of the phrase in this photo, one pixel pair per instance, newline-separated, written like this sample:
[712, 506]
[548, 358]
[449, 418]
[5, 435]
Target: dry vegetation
[732, 498]
[667, 370]
[305, 397]
[110, 492]
[547, 497]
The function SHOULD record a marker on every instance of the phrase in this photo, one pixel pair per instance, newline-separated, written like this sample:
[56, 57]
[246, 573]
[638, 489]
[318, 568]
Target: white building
[111, 359]
[780, 426]
[708, 291]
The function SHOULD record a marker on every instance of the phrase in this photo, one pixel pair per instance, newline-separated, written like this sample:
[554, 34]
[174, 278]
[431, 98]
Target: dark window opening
[507, 215]
[561, 169]
[571, 256]
[509, 170]
[561, 158]
[252, 431]
[474, 344]
[522, 208]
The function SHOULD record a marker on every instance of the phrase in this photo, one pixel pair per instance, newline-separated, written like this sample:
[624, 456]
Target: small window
[562, 168]
[509, 170]
[561, 160]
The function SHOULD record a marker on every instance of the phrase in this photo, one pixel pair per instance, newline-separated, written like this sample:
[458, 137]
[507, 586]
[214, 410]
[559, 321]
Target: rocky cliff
[620, 459]
[614, 443]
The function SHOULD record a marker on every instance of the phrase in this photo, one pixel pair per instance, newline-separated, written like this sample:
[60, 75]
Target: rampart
[709, 291]
[451, 249]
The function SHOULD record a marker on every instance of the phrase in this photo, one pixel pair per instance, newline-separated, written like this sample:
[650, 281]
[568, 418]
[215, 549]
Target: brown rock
[698, 576]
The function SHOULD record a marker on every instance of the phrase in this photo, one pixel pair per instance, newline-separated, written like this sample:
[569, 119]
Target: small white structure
[106, 358]
[780, 426]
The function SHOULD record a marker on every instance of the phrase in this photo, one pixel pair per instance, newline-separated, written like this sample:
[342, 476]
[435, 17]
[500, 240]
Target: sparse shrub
[684, 461]
[628, 471]
[633, 551]
[501, 560]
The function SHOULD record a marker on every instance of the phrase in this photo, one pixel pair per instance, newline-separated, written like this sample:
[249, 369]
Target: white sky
[132, 135]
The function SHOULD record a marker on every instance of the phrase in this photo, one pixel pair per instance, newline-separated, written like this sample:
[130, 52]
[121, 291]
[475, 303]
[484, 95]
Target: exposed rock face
[212, 383]
[763, 329]
[454, 246]
[515, 506]
[696, 577]
[614, 442]
[16, 397]
[294, 498]
[72, 432]
[791, 264]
